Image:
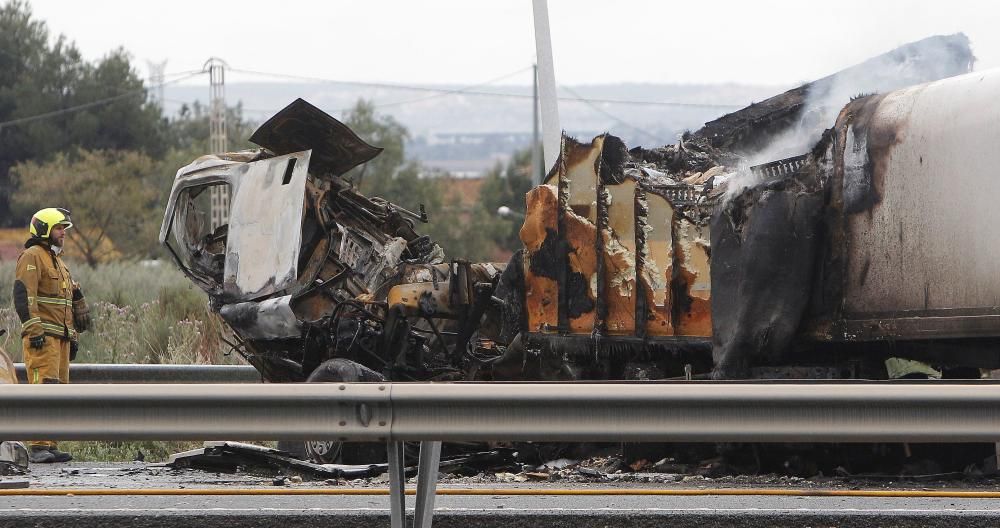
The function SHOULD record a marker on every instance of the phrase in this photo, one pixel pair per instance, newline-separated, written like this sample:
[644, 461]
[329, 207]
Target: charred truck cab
[308, 273]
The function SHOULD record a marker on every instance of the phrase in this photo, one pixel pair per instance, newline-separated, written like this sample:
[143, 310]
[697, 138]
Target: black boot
[60, 456]
[41, 455]
[48, 455]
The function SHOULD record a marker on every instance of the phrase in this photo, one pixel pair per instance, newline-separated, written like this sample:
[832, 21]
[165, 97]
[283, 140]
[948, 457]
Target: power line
[445, 91]
[442, 93]
[452, 92]
[594, 106]
[99, 102]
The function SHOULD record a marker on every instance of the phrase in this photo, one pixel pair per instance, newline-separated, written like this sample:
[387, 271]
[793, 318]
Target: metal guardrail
[395, 412]
[633, 412]
[130, 373]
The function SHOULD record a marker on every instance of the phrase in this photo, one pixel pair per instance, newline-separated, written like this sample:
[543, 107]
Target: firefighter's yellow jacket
[43, 293]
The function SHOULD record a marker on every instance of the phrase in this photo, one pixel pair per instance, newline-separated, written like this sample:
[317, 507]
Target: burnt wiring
[360, 308]
[442, 332]
[239, 348]
[444, 347]
[478, 355]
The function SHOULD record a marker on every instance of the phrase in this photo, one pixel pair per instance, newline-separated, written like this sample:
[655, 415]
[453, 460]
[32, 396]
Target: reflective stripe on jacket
[43, 294]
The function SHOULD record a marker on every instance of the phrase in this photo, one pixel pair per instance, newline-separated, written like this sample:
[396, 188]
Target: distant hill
[466, 134]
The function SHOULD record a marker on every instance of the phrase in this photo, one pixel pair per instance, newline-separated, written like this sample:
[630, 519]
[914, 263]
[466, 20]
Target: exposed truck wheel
[333, 370]
[323, 451]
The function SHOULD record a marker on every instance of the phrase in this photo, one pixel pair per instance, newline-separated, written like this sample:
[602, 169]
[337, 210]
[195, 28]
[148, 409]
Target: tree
[506, 186]
[189, 129]
[109, 194]
[468, 231]
[376, 176]
[44, 92]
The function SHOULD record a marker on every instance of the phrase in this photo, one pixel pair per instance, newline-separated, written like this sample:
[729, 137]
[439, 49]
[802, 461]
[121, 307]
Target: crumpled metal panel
[265, 226]
[268, 319]
[657, 261]
[301, 126]
[619, 246]
[539, 235]
[578, 211]
[694, 318]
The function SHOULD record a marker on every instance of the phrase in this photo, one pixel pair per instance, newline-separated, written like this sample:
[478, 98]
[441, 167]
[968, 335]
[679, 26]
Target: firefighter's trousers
[49, 364]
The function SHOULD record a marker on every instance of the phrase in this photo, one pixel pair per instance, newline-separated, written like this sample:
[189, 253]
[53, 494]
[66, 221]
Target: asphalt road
[498, 510]
[451, 511]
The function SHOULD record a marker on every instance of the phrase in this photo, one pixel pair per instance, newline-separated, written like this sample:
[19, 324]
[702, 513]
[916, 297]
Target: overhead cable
[392, 86]
[99, 102]
[592, 104]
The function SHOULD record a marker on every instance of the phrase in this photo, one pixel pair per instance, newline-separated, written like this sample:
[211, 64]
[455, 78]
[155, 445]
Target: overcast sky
[471, 41]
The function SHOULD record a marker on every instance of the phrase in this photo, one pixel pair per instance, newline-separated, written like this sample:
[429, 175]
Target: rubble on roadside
[232, 457]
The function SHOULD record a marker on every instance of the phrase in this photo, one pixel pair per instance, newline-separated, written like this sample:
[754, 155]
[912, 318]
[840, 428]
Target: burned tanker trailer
[865, 251]
[879, 252]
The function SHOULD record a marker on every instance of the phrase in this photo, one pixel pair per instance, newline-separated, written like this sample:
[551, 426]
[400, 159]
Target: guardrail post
[397, 485]
[427, 476]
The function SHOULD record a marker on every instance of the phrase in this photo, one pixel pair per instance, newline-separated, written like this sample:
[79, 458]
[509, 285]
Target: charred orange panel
[593, 247]
[582, 274]
[579, 174]
[578, 201]
[619, 258]
[692, 251]
[415, 297]
[658, 266]
[541, 241]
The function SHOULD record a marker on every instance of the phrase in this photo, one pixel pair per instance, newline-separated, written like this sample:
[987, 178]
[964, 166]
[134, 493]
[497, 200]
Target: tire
[323, 451]
[333, 370]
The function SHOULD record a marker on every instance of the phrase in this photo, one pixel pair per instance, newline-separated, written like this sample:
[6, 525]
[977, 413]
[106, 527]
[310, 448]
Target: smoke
[923, 61]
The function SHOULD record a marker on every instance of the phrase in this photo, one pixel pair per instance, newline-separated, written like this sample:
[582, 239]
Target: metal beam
[397, 484]
[129, 373]
[428, 466]
[634, 412]
[292, 411]
[700, 412]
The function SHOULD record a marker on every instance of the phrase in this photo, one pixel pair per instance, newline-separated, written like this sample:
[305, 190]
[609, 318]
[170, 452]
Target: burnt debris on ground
[232, 457]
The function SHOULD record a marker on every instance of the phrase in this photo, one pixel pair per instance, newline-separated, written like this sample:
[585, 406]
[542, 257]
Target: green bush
[142, 313]
[103, 451]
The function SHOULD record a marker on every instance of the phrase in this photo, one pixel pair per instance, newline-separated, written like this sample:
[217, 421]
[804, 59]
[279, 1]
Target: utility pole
[156, 80]
[537, 171]
[219, 194]
[551, 131]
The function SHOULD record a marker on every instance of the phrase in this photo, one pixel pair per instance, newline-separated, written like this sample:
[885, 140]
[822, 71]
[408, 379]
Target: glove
[74, 347]
[81, 312]
[37, 342]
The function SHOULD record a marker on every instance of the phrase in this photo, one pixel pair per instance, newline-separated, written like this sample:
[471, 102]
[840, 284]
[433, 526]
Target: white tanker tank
[885, 242]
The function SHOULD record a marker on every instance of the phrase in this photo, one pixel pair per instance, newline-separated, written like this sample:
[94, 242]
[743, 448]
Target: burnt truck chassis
[641, 264]
[613, 281]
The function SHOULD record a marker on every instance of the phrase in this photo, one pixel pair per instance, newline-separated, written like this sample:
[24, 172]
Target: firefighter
[52, 310]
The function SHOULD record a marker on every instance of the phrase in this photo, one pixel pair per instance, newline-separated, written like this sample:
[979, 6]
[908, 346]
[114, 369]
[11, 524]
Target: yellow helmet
[43, 221]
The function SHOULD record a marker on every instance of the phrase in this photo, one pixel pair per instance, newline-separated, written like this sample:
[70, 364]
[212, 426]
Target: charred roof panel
[301, 126]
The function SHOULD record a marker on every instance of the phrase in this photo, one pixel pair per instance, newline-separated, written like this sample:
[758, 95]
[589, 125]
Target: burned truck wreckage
[872, 237]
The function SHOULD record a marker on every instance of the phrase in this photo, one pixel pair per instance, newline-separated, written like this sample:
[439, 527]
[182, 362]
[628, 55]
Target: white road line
[516, 510]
